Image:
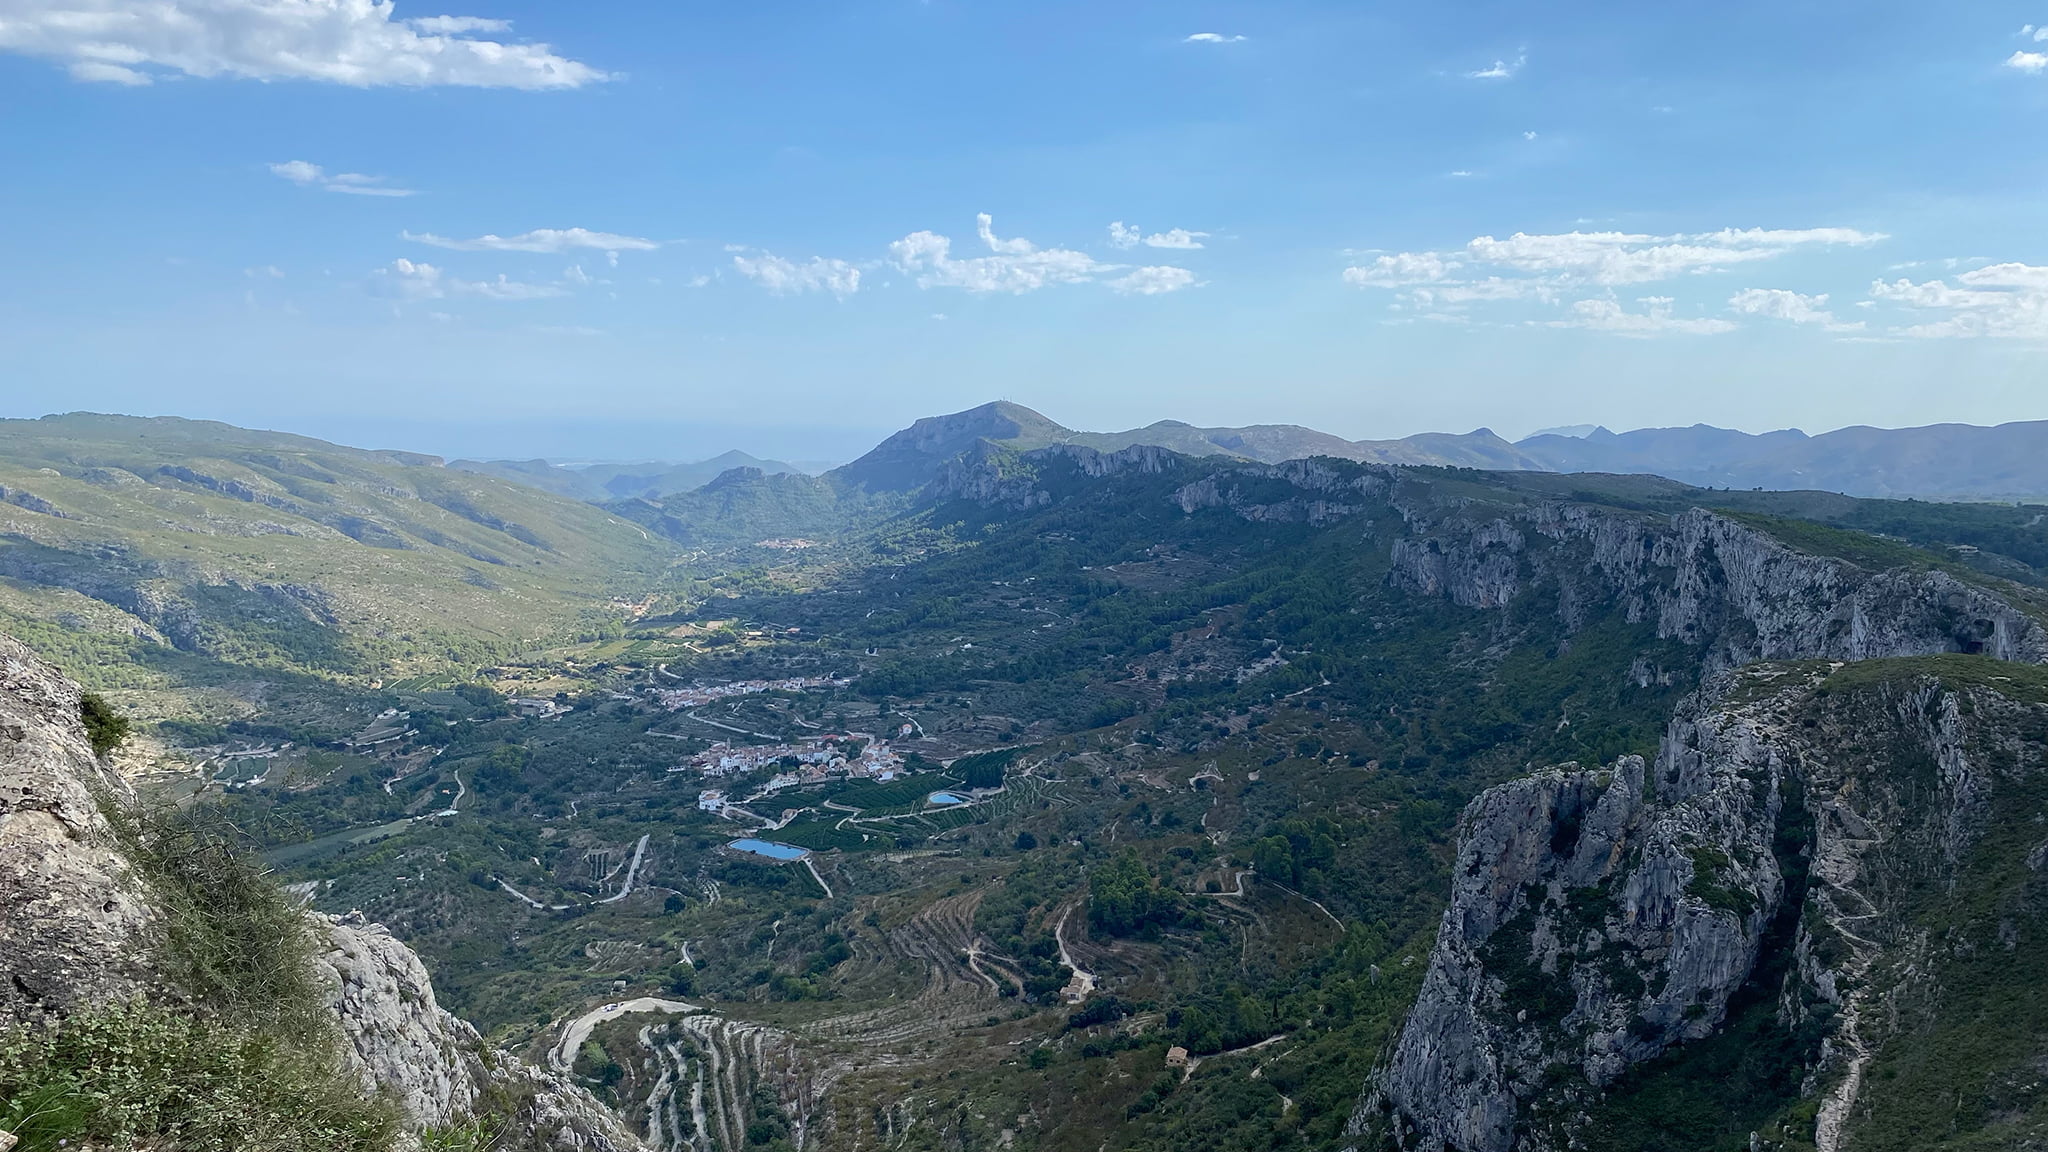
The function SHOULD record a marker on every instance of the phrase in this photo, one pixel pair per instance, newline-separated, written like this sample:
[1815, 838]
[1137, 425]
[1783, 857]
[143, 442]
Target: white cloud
[1016, 265]
[407, 280]
[309, 175]
[1781, 304]
[2027, 61]
[1212, 38]
[1492, 288]
[456, 25]
[1612, 258]
[553, 240]
[100, 72]
[1529, 135]
[352, 42]
[1401, 268]
[1607, 315]
[1122, 235]
[1501, 70]
[1547, 267]
[2008, 301]
[787, 277]
[1154, 280]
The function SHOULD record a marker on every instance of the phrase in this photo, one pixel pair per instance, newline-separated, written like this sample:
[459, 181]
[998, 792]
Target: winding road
[578, 1030]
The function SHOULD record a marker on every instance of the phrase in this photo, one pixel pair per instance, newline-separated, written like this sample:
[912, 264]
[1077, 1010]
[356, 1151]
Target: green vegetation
[242, 1057]
[1125, 898]
[143, 1076]
[105, 728]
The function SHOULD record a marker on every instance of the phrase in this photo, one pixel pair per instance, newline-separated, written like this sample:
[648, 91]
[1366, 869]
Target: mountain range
[1937, 462]
[598, 483]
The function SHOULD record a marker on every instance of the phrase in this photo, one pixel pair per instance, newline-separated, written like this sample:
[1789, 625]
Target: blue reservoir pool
[770, 849]
[946, 798]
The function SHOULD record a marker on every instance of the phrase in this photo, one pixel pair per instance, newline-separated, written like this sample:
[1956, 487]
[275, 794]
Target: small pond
[770, 849]
[946, 798]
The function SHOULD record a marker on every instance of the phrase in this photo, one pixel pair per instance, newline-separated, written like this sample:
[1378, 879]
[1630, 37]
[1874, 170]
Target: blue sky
[635, 229]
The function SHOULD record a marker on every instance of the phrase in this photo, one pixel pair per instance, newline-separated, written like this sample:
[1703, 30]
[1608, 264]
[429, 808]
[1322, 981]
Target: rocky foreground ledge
[82, 929]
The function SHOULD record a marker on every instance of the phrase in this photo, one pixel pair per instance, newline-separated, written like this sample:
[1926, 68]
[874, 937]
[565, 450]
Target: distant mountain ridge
[1936, 462]
[597, 483]
[913, 457]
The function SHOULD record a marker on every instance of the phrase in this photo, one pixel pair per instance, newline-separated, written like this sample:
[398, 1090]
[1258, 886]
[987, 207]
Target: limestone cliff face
[1710, 580]
[79, 929]
[436, 1066]
[1598, 919]
[75, 923]
[996, 477]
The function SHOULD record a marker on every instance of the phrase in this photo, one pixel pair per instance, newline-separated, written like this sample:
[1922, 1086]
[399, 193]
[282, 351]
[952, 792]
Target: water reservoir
[770, 849]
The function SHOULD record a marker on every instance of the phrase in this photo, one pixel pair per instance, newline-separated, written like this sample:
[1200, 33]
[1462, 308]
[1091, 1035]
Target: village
[675, 699]
[812, 761]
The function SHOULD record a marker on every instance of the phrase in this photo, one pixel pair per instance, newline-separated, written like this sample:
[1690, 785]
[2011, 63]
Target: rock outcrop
[76, 924]
[1707, 579]
[1792, 824]
[400, 1040]
[80, 928]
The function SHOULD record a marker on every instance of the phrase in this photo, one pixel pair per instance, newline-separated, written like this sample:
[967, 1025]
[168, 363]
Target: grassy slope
[125, 540]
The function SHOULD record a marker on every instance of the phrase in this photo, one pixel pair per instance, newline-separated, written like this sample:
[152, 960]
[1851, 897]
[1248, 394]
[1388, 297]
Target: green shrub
[144, 1076]
[104, 727]
[240, 1057]
[235, 946]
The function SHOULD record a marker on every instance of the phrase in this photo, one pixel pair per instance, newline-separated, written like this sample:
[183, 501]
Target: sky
[630, 230]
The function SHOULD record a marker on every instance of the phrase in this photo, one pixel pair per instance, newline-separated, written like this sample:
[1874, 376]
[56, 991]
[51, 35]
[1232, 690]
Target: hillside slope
[137, 542]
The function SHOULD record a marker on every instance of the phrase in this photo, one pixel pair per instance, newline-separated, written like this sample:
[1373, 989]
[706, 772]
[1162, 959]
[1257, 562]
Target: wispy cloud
[407, 280]
[1789, 306]
[309, 175]
[1016, 265]
[1608, 258]
[1501, 70]
[1153, 281]
[539, 240]
[787, 277]
[1122, 235]
[1213, 38]
[1552, 268]
[351, 42]
[2005, 301]
[1656, 318]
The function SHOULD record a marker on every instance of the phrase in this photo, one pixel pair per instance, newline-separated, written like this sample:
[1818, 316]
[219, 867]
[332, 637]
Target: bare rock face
[436, 1066]
[1297, 492]
[76, 925]
[993, 476]
[1598, 919]
[1712, 581]
[397, 1033]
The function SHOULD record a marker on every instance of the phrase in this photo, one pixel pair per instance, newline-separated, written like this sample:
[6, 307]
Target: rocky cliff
[1847, 854]
[1711, 580]
[401, 1041]
[76, 923]
[82, 928]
